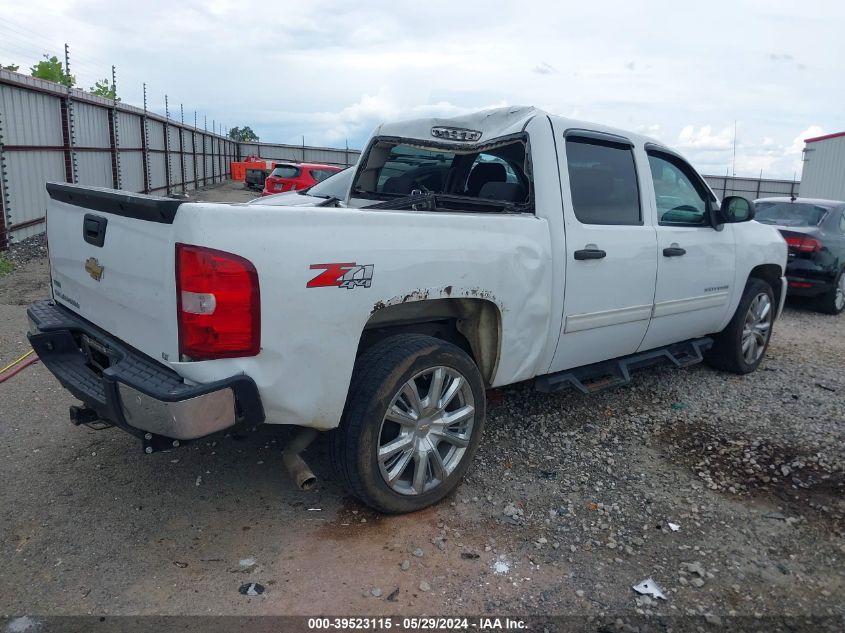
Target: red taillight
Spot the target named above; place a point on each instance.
(803, 244)
(799, 284)
(218, 304)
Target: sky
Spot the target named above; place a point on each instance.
(685, 73)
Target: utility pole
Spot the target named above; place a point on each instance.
(115, 133)
(182, 149)
(194, 152)
(213, 157)
(733, 168)
(70, 131)
(145, 144)
(168, 168)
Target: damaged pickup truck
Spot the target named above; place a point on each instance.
(470, 253)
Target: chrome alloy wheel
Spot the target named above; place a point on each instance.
(758, 326)
(839, 297)
(426, 430)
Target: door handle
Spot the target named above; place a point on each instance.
(94, 229)
(674, 251)
(590, 253)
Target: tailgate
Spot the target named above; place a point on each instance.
(112, 262)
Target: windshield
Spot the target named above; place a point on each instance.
(335, 186)
(789, 213)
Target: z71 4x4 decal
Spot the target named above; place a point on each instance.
(339, 275)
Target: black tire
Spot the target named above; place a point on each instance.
(827, 302)
(726, 353)
(379, 374)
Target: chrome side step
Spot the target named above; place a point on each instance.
(613, 373)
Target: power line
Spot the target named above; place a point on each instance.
(27, 42)
(23, 45)
(25, 57)
(20, 50)
(38, 46)
(29, 37)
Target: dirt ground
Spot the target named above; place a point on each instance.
(572, 501)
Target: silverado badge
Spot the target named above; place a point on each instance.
(93, 268)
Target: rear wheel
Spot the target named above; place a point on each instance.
(833, 301)
(740, 347)
(412, 423)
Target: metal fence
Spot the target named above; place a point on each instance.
(752, 188)
(51, 133)
(302, 153)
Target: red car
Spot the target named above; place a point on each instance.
(296, 176)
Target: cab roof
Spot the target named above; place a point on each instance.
(495, 123)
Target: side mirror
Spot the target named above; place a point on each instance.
(736, 209)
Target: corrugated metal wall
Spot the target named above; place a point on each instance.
(47, 134)
(302, 154)
(824, 168)
(752, 188)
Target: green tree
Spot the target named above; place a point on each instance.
(243, 135)
(51, 69)
(11, 67)
(103, 89)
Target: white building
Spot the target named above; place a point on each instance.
(824, 167)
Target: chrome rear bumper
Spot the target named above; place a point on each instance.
(132, 391)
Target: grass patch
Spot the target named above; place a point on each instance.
(5, 265)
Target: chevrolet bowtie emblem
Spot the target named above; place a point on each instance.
(93, 268)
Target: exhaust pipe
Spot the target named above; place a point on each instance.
(295, 465)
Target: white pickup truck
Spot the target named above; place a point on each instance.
(470, 253)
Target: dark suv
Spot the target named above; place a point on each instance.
(814, 231)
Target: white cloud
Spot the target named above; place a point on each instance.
(544, 69)
(798, 142)
(704, 139)
(358, 119)
(654, 130)
(332, 70)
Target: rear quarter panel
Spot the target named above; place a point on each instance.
(310, 335)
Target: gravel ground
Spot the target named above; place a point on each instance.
(727, 491)
(26, 250)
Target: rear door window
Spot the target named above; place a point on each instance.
(603, 181)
